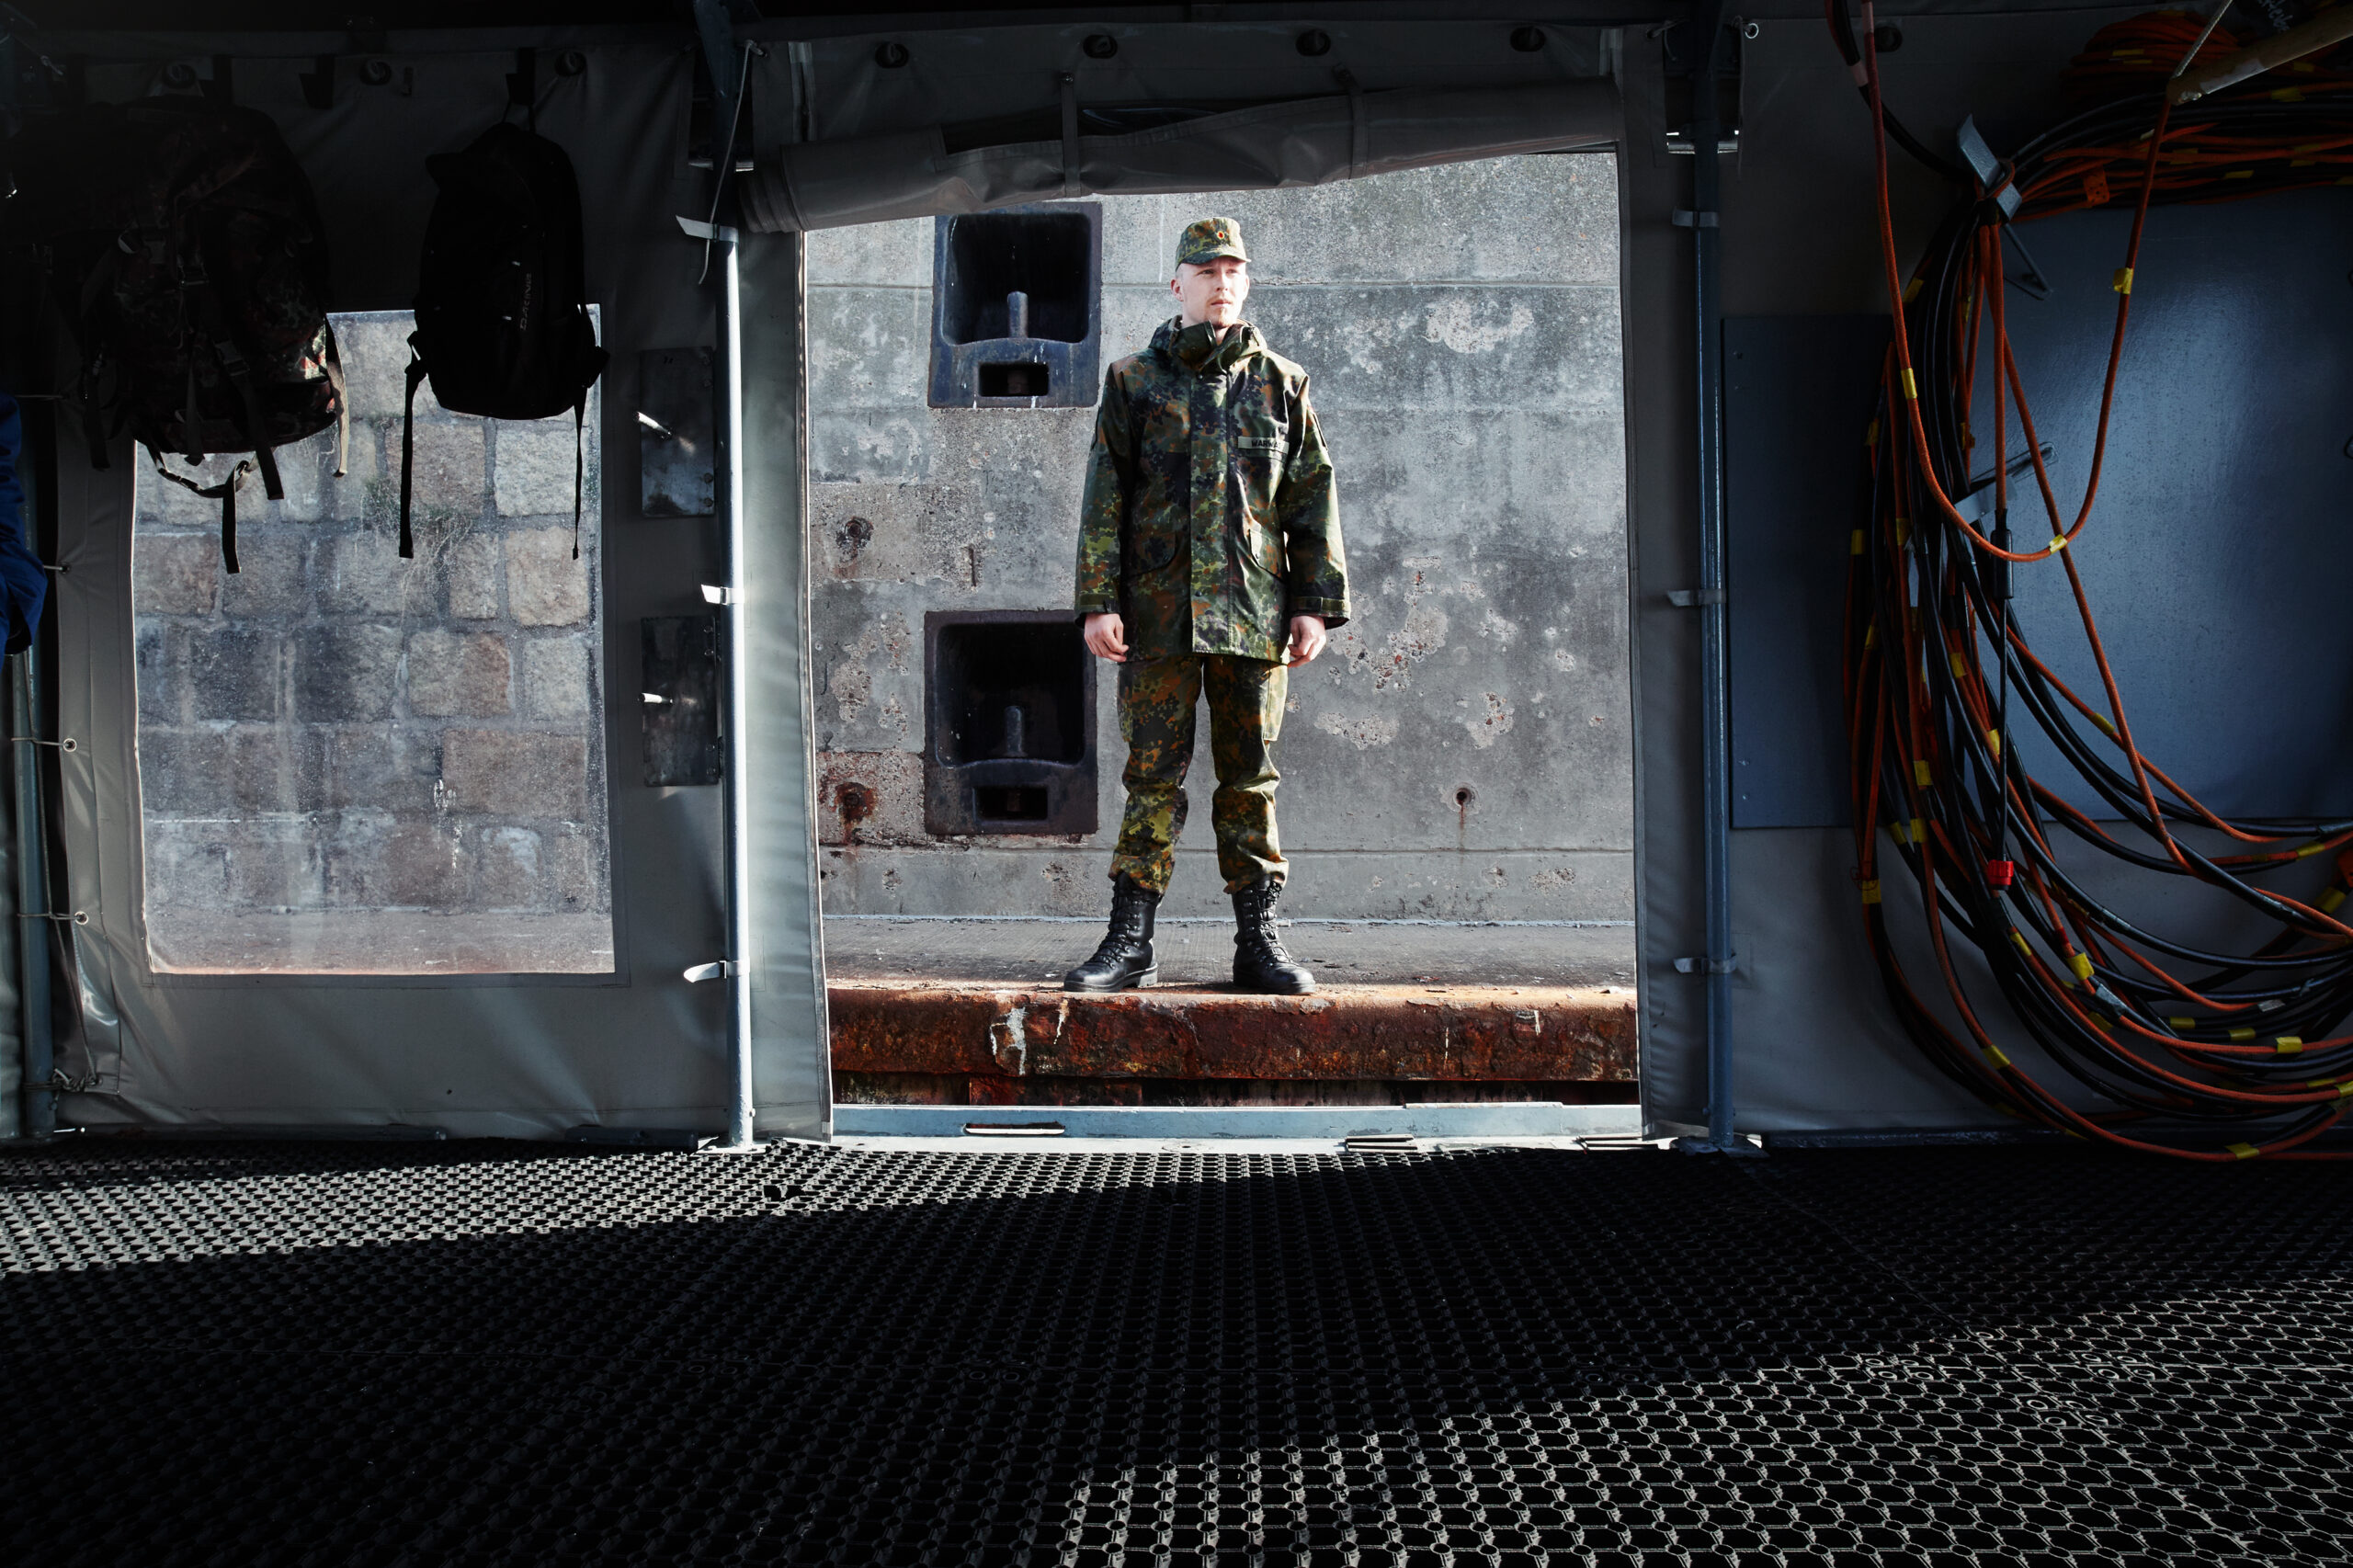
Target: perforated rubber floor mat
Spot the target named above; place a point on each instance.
(459, 1355)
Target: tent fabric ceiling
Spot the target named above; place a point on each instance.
(963, 122)
(826, 184)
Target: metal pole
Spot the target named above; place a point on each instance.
(32, 898)
(739, 677)
(1715, 729)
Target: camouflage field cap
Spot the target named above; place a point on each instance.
(1208, 239)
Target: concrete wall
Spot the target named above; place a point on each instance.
(334, 742)
(1463, 749)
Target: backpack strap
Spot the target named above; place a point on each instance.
(255, 428)
(579, 464)
(408, 444)
(225, 493)
(334, 369)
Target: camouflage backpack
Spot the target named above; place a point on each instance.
(177, 245)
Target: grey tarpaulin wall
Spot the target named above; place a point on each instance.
(519, 1055)
(840, 139)
(1816, 1046)
(536, 1055)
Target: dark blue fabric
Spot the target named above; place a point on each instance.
(22, 581)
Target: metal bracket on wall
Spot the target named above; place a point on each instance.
(1693, 598)
(677, 433)
(1679, 144)
(1705, 965)
(723, 970)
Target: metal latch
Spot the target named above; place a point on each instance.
(1705, 965)
(1692, 598)
(723, 970)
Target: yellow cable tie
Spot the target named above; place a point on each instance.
(2325, 1083)
(2302, 162)
(1870, 636)
(2240, 174)
(1958, 667)
(1871, 891)
(1871, 434)
(2242, 1034)
(2287, 95)
(1902, 532)
(2306, 851)
(1912, 292)
(2182, 1021)
(2123, 281)
(2329, 901)
(1919, 831)
(1911, 384)
(2343, 1090)
(2019, 938)
(2244, 1151)
(2345, 179)
(2058, 543)
(1855, 542)
(2102, 720)
(2288, 1044)
(1921, 775)
(1993, 1055)
(2081, 963)
(1994, 741)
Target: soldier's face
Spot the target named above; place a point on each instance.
(1212, 291)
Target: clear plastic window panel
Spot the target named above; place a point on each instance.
(352, 764)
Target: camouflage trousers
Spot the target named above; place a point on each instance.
(1156, 703)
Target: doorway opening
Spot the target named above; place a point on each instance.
(1457, 798)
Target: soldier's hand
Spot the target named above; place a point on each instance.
(1307, 638)
(1107, 638)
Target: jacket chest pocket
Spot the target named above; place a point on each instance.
(1258, 447)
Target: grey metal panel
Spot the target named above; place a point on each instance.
(2218, 552)
(2217, 543)
(679, 716)
(678, 443)
(1797, 393)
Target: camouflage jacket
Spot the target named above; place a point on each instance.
(1209, 453)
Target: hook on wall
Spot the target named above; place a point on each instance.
(522, 87)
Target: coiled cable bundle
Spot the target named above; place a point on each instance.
(2186, 1049)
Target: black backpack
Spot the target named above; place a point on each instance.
(502, 309)
(176, 243)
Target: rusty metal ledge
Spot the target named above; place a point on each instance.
(1357, 1033)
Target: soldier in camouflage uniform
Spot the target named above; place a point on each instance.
(1209, 559)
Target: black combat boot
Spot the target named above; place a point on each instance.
(1260, 965)
(1124, 960)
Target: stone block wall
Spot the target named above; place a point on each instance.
(349, 761)
(1463, 751)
